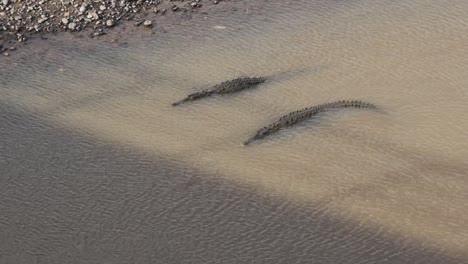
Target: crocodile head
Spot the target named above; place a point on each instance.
(260, 134)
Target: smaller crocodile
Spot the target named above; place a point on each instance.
(298, 116)
(226, 87)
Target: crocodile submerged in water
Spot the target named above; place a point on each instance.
(303, 114)
(226, 87)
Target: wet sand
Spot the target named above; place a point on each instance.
(137, 180)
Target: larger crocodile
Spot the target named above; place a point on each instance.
(226, 87)
(298, 116)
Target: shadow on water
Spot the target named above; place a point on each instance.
(67, 198)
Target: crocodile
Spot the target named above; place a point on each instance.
(225, 87)
(298, 116)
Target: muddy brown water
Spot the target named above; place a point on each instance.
(98, 167)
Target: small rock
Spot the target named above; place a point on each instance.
(20, 38)
(93, 15)
(65, 21)
(98, 33)
(6, 54)
(72, 26)
(42, 20)
(148, 23)
(5, 3)
(102, 7)
(110, 23)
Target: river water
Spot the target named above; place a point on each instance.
(98, 167)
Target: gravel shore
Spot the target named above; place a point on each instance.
(22, 20)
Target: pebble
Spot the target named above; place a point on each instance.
(65, 21)
(42, 20)
(72, 26)
(110, 23)
(5, 2)
(93, 15)
(148, 23)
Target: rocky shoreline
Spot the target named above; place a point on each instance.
(21, 20)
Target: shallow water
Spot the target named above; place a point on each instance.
(401, 171)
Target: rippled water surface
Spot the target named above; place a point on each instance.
(100, 168)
